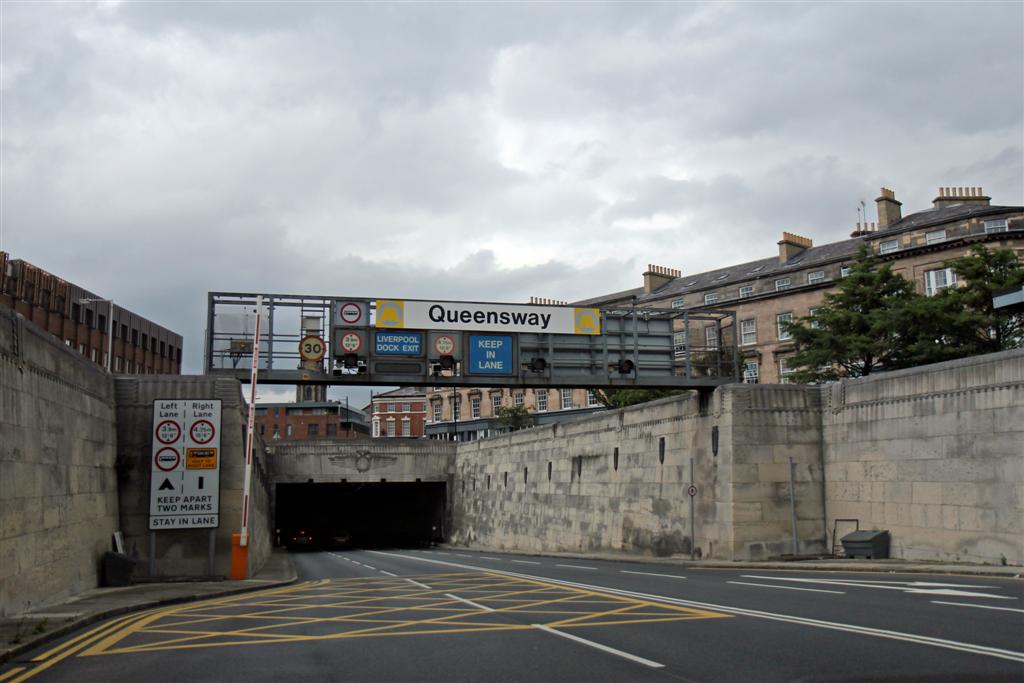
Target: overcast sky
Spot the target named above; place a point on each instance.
(152, 152)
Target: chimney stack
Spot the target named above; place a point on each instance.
(866, 230)
(790, 245)
(888, 208)
(950, 196)
(542, 301)
(658, 276)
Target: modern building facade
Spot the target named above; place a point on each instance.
(81, 319)
(310, 420)
(400, 413)
(767, 292)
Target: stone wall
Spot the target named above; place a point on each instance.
(618, 482)
(360, 460)
(935, 455)
(58, 487)
(185, 552)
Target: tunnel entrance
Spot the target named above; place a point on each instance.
(361, 515)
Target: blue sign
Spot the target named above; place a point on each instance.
(398, 344)
(490, 354)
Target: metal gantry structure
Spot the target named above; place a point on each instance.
(634, 347)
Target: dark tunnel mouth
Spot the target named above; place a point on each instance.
(360, 515)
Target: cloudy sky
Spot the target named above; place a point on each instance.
(156, 151)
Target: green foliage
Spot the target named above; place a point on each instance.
(620, 398)
(876, 320)
(514, 417)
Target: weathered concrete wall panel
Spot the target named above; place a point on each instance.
(185, 552)
(58, 487)
(360, 460)
(933, 454)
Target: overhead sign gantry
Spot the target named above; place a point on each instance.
(409, 342)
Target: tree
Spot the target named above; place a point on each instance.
(514, 417)
(870, 322)
(620, 398)
(980, 328)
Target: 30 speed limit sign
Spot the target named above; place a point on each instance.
(311, 348)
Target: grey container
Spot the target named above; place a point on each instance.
(872, 545)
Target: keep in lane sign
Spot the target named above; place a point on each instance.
(185, 480)
(490, 354)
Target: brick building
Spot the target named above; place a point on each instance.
(310, 420)
(399, 413)
(791, 285)
(81, 319)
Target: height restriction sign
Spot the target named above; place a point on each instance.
(185, 472)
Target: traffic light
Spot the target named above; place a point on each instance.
(538, 365)
(626, 366)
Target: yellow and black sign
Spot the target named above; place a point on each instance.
(201, 458)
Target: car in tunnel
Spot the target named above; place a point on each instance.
(298, 539)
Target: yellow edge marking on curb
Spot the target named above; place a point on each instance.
(12, 672)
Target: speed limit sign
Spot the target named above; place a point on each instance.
(311, 348)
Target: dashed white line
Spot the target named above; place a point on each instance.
(388, 573)
(599, 646)
(469, 602)
(354, 562)
(369, 567)
(967, 604)
(463, 555)
(668, 576)
(575, 566)
(496, 559)
(788, 588)
(524, 562)
(417, 583)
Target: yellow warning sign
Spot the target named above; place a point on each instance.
(390, 313)
(587, 320)
(200, 458)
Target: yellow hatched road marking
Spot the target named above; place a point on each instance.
(12, 672)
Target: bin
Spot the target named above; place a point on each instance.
(869, 544)
(117, 569)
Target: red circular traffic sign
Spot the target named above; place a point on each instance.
(168, 431)
(351, 342)
(350, 313)
(202, 431)
(167, 459)
(444, 344)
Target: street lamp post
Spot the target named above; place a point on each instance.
(110, 329)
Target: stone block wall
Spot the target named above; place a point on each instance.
(360, 460)
(58, 487)
(185, 552)
(933, 454)
(563, 488)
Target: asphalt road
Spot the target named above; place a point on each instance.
(420, 615)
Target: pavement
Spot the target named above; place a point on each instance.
(23, 632)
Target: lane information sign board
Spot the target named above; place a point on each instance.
(490, 354)
(398, 343)
(184, 488)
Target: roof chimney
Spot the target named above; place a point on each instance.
(866, 229)
(888, 208)
(658, 276)
(950, 196)
(547, 302)
(790, 245)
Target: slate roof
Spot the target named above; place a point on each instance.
(947, 214)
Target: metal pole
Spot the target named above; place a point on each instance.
(455, 414)
(213, 548)
(693, 526)
(110, 337)
(792, 503)
(152, 553)
(244, 535)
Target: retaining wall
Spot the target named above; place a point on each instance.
(58, 487)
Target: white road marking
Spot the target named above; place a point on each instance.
(463, 555)
(359, 563)
(969, 604)
(469, 602)
(369, 567)
(788, 588)
(599, 646)
(496, 559)
(919, 587)
(575, 566)
(984, 650)
(388, 573)
(417, 583)
(670, 576)
(524, 562)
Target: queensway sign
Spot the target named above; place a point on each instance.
(397, 314)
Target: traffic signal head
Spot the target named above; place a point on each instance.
(538, 365)
(351, 360)
(626, 366)
(447, 363)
